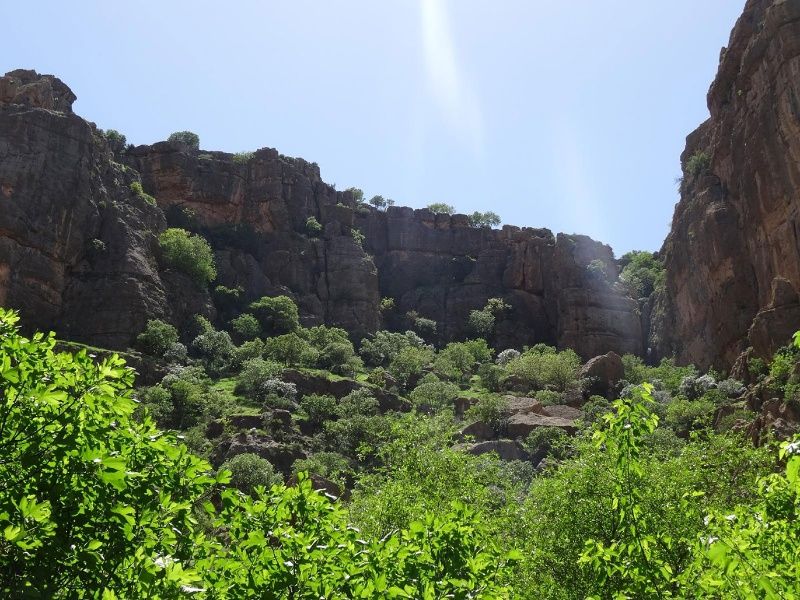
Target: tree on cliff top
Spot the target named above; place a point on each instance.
(189, 138)
(440, 208)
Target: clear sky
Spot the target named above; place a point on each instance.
(567, 115)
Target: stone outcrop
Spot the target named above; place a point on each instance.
(79, 252)
(737, 226)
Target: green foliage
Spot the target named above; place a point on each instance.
(157, 337)
(255, 372)
(313, 227)
(423, 326)
(434, 394)
(358, 237)
(216, 349)
(241, 354)
(547, 441)
(188, 253)
(754, 552)
(228, 299)
(277, 314)
(384, 346)
(484, 219)
(642, 273)
(539, 368)
(242, 158)
(378, 202)
(358, 194)
(597, 270)
(187, 138)
(409, 362)
(115, 139)
(89, 497)
(330, 465)
(246, 327)
(317, 409)
(289, 349)
(698, 163)
(548, 397)
(458, 360)
(136, 188)
(492, 410)
(684, 415)
(440, 208)
(249, 471)
(666, 375)
(387, 304)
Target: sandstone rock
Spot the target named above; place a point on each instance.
(36, 91)
(603, 373)
(524, 406)
(774, 325)
(505, 449)
(736, 226)
(519, 426)
(479, 430)
(562, 411)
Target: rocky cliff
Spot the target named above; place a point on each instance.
(79, 251)
(733, 255)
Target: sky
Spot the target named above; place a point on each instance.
(565, 115)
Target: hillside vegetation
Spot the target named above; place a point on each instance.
(427, 488)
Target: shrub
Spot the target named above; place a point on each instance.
(177, 353)
(642, 273)
(241, 354)
(698, 163)
(358, 237)
(440, 208)
(242, 158)
(693, 387)
(492, 376)
(410, 362)
(216, 349)
(378, 202)
(597, 270)
(358, 194)
(115, 139)
(157, 337)
(434, 394)
(486, 219)
(340, 358)
(506, 356)
(457, 360)
(313, 227)
(192, 140)
(249, 471)
(539, 369)
(425, 327)
(277, 314)
(330, 465)
(547, 441)
(318, 409)
(481, 322)
(383, 346)
(136, 188)
(246, 327)
(276, 393)
(492, 410)
(684, 415)
(387, 304)
(255, 372)
(548, 397)
(228, 299)
(289, 349)
(188, 253)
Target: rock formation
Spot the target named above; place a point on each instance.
(79, 251)
(737, 226)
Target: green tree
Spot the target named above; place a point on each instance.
(157, 337)
(277, 314)
(484, 219)
(246, 327)
(642, 273)
(188, 253)
(440, 208)
(188, 138)
(249, 471)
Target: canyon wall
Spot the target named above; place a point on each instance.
(733, 255)
(79, 251)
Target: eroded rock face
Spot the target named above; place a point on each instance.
(79, 252)
(737, 225)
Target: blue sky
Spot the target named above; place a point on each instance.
(567, 115)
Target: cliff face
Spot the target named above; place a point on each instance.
(733, 255)
(79, 252)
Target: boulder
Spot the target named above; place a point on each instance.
(505, 449)
(479, 430)
(602, 374)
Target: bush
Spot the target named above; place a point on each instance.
(330, 465)
(698, 163)
(548, 397)
(185, 137)
(487, 219)
(481, 322)
(277, 315)
(318, 409)
(693, 387)
(383, 346)
(242, 158)
(440, 208)
(547, 441)
(642, 273)
(136, 188)
(246, 327)
(358, 237)
(597, 270)
(491, 376)
(387, 305)
(434, 394)
(409, 363)
(115, 139)
(506, 356)
(228, 299)
(157, 337)
(176, 354)
(340, 358)
(425, 327)
(216, 349)
(188, 253)
(241, 354)
(290, 349)
(255, 372)
(492, 410)
(684, 415)
(249, 471)
(539, 369)
(313, 227)
(276, 393)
